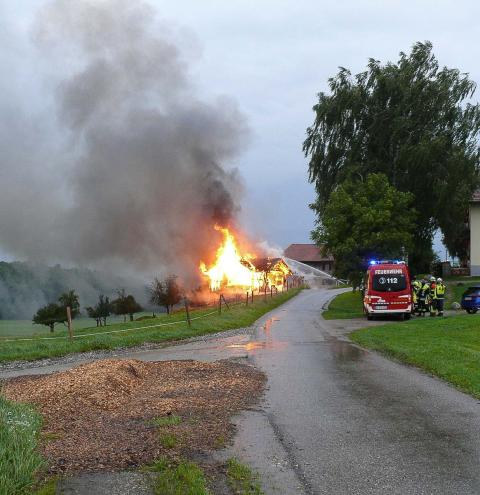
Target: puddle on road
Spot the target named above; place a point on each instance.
(258, 345)
(268, 325)
(344, 351)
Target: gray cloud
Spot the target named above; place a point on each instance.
(132, 167)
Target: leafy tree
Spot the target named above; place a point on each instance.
(361, 221)
(165, 293)
(101, 311)
(49, 315)
(125, 305)
(411, 121)
(70, 298)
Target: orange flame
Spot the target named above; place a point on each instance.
(231, 269)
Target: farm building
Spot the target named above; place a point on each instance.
(475, 234)
(310, 255)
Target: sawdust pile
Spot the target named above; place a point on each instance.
(99, 416)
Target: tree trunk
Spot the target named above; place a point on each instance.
(52, 325)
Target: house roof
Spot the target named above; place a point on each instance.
(476, 196)
(266, 264)
(305, 252)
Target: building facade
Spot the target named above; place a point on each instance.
(475, 234)
(310, 255)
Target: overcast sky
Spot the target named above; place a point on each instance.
(273, 57)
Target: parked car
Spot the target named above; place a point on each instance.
(471, 299)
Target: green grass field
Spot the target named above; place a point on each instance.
(446, 347)
(345, 305)
(25, 328)
(135, 333)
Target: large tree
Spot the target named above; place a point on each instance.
(125, 305)
(365, 220)
(412, 121)
(101, 311)
(165, 293)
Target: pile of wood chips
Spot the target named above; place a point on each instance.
(99, 416)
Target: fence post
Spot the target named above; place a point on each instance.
(69, 321)
(187, 311)
(271, 291)
(247, 298)
(220, 304)
(225, 301)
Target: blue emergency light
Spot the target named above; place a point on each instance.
(372, 262)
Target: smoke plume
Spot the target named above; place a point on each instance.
(124, 163)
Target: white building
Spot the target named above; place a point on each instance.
(475, 234)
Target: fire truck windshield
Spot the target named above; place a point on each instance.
(389, 282)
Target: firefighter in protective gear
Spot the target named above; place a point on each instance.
(423, 297)
(439, 296)
(416, 287)
(432, 302)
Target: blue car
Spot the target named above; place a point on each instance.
(471, 299)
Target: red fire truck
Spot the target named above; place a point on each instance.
(387, 290)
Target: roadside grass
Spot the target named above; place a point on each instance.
(20, 459)
(238, 316)
(168, 440)
(48, 488)
(182, 478)
(241, 479)
(446, 347)
(171, 420)
(344, 306)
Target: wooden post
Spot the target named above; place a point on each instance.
(187, 311)
(247, 298)
(69, 322)
(225, 301)
(220, 304)
(271, 291)
(252, 296)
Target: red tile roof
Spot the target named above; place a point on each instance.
(476, 196)
(305, 252)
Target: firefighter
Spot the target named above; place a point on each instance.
(423, 297)
(416, 286)
(432, 302)
(440, 290)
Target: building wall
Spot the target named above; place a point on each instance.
(475, 239)
(325, 266)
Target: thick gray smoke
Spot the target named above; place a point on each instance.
(126, 164)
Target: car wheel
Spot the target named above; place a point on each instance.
(474, 310)
(469, 311)
(408, 316)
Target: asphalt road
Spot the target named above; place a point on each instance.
(337, 419)
(352, 422)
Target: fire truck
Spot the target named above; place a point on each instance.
(387, 290)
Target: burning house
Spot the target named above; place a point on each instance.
(232, 269)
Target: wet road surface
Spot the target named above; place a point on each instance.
(337, 419)
(352, 422)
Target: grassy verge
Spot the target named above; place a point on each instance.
(448, 348)
(238, 316)
(19, 456)
(345, 305)
(241, 479)
(178, 478)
